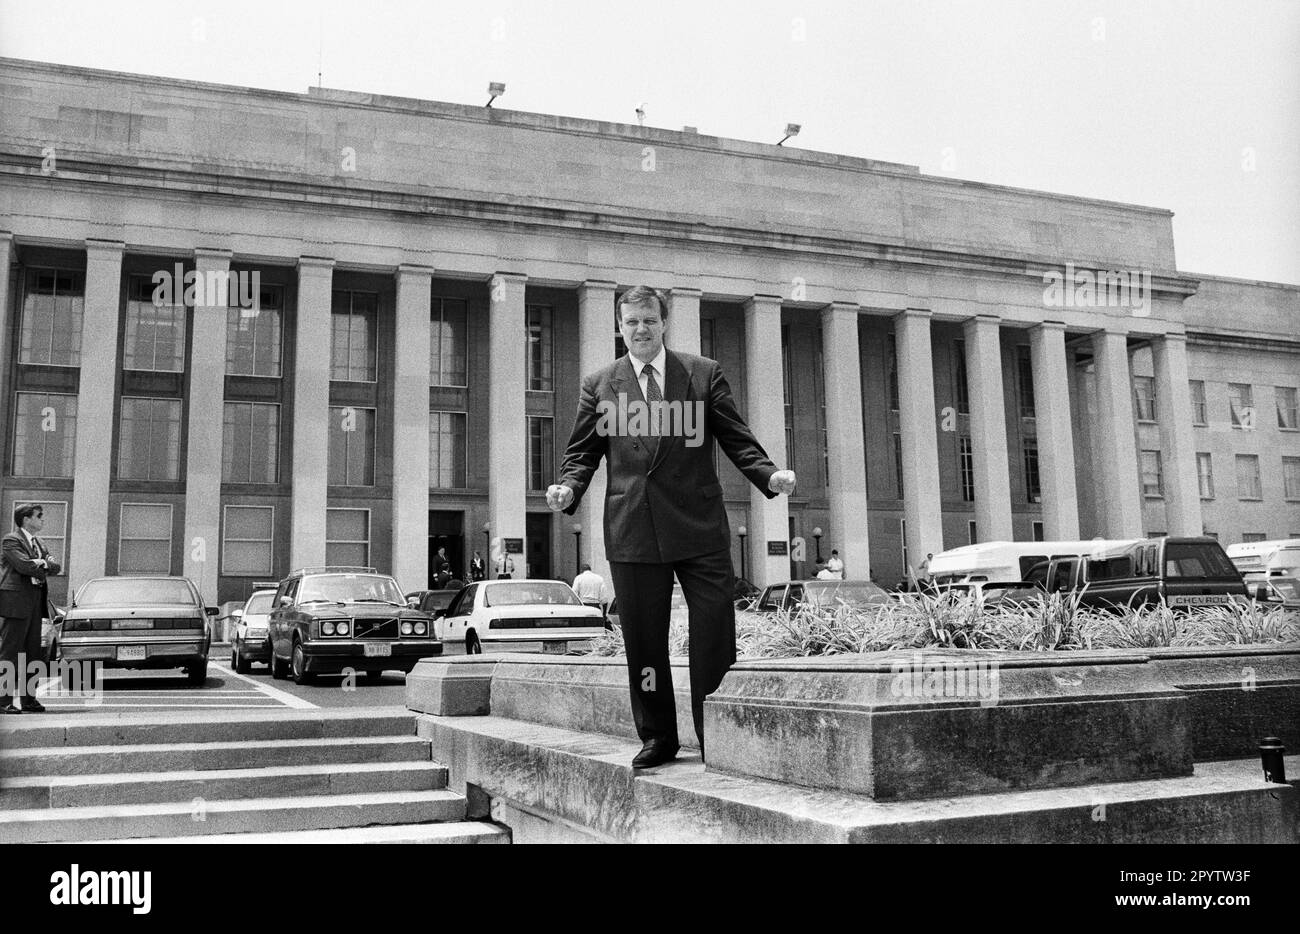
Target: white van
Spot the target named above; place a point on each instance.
(1277, 558)
(1005, 561)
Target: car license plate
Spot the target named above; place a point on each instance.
(555, 647)
(131, 653)
(133, 624)
(1211, 599)
(378, 649)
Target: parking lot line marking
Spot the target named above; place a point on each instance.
(283, 697)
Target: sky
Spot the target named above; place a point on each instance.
(1189, 105)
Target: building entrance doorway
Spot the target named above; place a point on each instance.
(538, 530)
(447, 543)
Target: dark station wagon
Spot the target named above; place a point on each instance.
(329, 619)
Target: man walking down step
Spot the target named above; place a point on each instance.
(664, 514)
(24, 597)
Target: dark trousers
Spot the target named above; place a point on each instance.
(20, 636)
(644, 593)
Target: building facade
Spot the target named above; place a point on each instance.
(415, 289)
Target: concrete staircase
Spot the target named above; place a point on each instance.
(261, 776)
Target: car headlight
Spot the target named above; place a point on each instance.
(327, 629)
(420, 629)
(407, 628)
(344, 628)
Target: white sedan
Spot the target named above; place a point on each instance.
(517, 616)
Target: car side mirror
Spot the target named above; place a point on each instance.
(413, 602)
(211, 610)
(437, 614)
(286, 601)
(237, 613)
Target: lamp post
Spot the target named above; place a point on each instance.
(577, 547)
(742, 532)
(817, 536)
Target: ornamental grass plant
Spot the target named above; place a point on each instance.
(1056, 622)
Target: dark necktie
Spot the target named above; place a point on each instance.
(652, 394)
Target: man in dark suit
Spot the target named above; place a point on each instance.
(664, 513)
(23, 598)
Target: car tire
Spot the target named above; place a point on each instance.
(239, 663)
(279, 670)
(298, 666)
(197, 674)
(472, 644)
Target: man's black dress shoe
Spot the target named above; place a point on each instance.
(655, 752)
(33, 706)
(10, 708)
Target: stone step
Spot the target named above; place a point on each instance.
(100, 729)
(260, 815)
(452, 832)
(205, 756)
(61, 791)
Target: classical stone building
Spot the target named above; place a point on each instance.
(433, 279)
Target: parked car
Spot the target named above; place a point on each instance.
(1283, 591)
(518, 616)
(139, 622)
(679, 612)
(1179, 572)
(51, 633)
(793, 596)
(432, 603)
(328, 619)
(997, 593)
(251, 641)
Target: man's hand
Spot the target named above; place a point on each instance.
(558, 497)
(782, 482)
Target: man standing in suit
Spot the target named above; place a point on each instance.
(23, 598)
(664, 514)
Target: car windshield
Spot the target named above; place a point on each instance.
(350, 588)
(136, 591)
(1197, 559)
(851, 592)
(259, 604)
(1288, 587)
(523, 593)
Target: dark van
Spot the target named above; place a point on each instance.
(1179, 572)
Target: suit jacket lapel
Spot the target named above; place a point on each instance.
(624, 381)
(677, 383)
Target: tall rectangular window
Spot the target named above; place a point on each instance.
(972, 533)
(1037, 530)
(1152, 480)
(155, 334)
(959, 377)
(891, 366)
(448, 343)
(708, 339)
(898, 462)
(149, 441)
(45, 434)
(447, 450)
(353, 347)
(347, 537)
(1291, 478)
(1025, 382)
(144, 544)
(787, 385)
(255, 336)
(541, 362)
(1248, 485)
(1288, 410)
(1200, 413)
(247, 541)
(250, 444)
(53, 308)
(352, 446)
(819, 399)
(966, 469)
(541, 452)
(1144, 395)
(1205, 474)
(1033, 491)
(1241, 405)
(1254, 536)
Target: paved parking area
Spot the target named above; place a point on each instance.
(167, 690)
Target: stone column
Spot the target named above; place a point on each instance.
(1116, 475)
(311, 409)
(507, 419)
(206, 416)
(922, 505)
(6, 311)
(684, 320)
(1055, 432)
(847, 481)
(88, 535)
(411, 427)
(988, 429)
(595, 349)
(1178, 444)
(769, 519)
